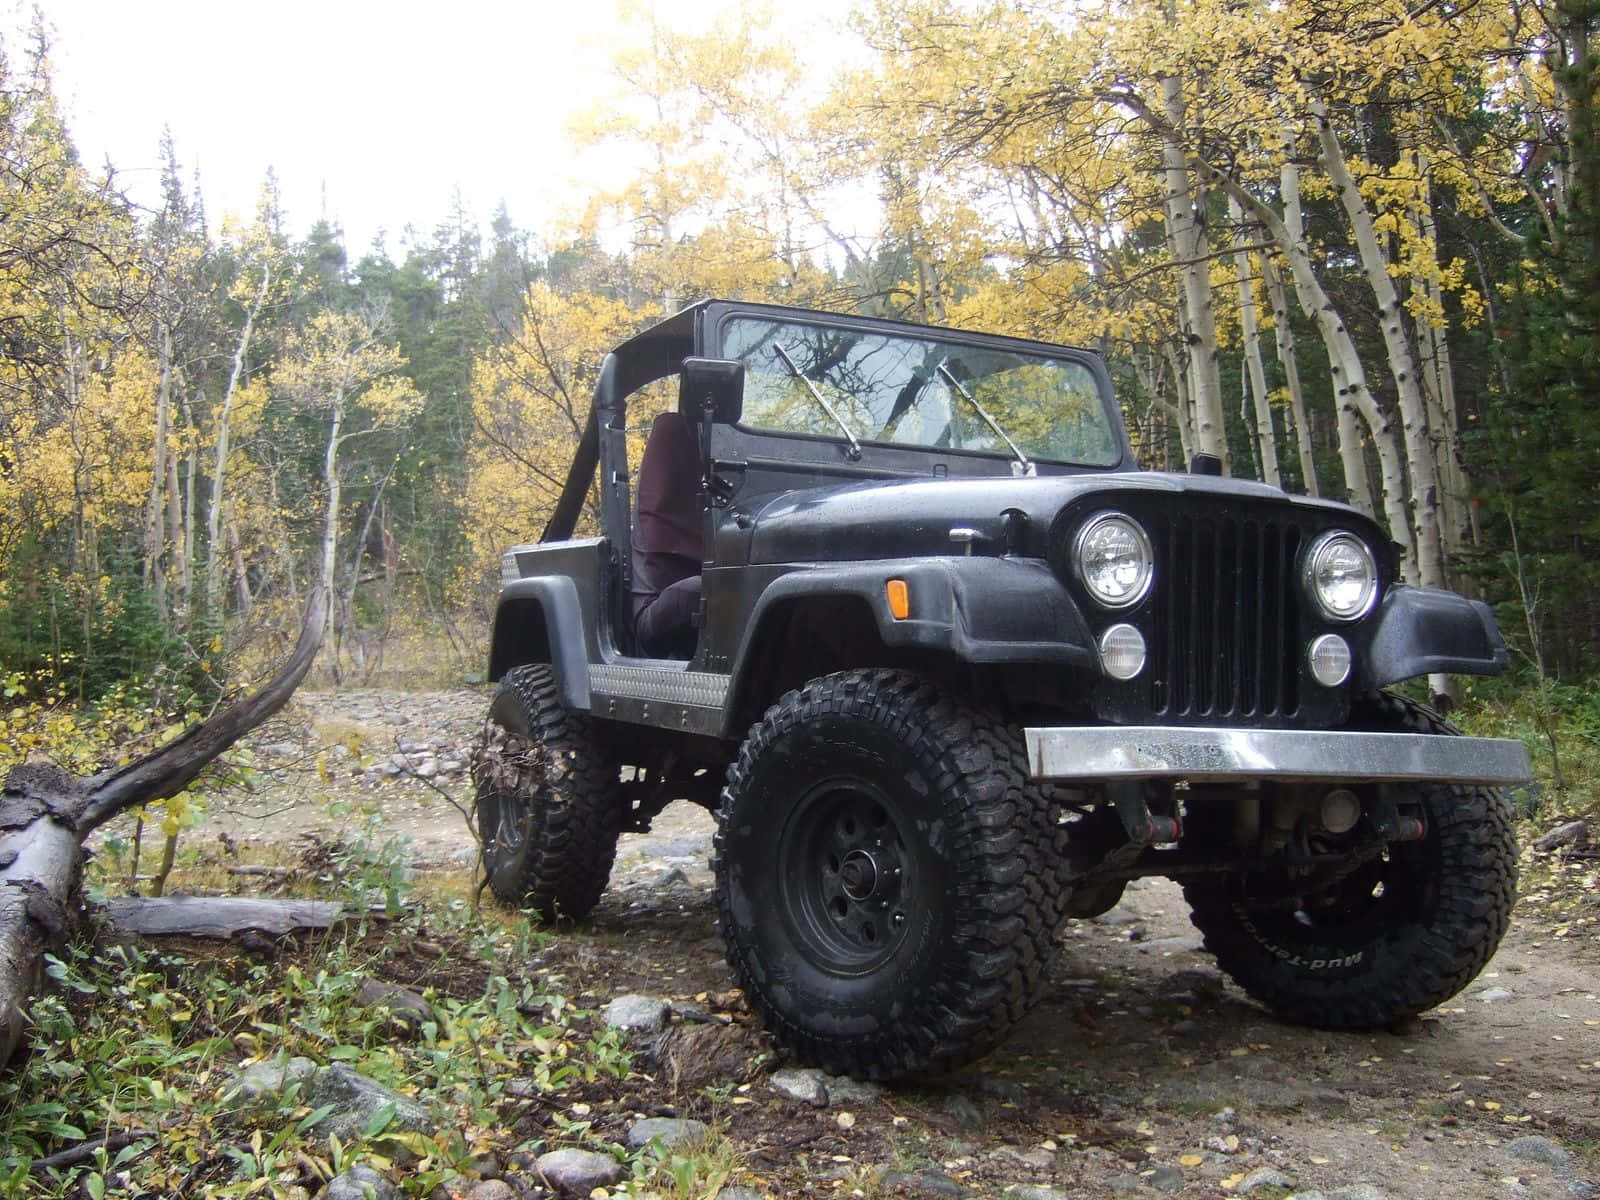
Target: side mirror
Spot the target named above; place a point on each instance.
(711, 387)
(1205, 464)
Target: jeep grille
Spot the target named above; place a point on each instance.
(1226, 630)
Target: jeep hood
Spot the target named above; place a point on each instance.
(912, 518)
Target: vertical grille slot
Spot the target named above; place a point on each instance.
(1226, 630)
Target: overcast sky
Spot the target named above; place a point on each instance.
(383, 108)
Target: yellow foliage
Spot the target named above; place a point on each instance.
(530, 399)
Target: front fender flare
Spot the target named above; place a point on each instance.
(1420, 631)
(977, 609)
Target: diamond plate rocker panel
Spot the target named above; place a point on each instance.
(698, 689)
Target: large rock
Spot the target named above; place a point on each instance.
(842, 1089)
(638, 1014)
(357, 1102)
(408, 1008)
(262, 1082)
(689, 1056)
(668, 1131)
(926, 1182)
(1263, 1177)
(360, 1183)
(805, 1084)
(578, 1172)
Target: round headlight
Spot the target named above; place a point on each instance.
(1114, 561)
(1341, 576)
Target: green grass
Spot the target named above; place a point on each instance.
(131, 1039)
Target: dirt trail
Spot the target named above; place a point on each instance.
(1142, 1073)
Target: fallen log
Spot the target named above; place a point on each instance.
(221, 917)
(1573, 833)
(42, 861)
(46, 813)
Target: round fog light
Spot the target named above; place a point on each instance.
(1330, 660)
(1122, 651)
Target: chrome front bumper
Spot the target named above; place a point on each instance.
(1212, 755)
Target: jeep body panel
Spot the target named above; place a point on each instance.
(539, 616)
(799, 525)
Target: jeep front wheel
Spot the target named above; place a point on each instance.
(549, 800)
(879, 873)
(1403, 932)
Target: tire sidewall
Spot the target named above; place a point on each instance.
(760, 843)
(958, 976)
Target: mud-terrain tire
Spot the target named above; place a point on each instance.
(1400, 935)
(549, 800)
(882, 875)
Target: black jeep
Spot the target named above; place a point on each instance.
(900, 607)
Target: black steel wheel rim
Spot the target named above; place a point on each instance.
(502, 817)
(845, 884)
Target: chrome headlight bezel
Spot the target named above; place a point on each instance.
(1340, 541)
(1082, 549)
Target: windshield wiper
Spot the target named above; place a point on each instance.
(1027, 468)
(855, 446)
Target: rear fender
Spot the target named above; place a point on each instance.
(539, 620)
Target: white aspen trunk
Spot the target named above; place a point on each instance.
(154, 534)
(1283, 339)
(1162, 410)
(180, 519)
(1351, 457)
(219, 467)
(175, 545)
(1187, 237)
(1439, 389)
(330, 517)
(1256, 374)
(1402, 362)
(1349, 377)
(242, 597)
(1183, 409)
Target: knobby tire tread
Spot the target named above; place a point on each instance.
(1010, 906)
(573, 826)
(1476, 888)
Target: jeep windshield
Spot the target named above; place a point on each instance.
(908, 390)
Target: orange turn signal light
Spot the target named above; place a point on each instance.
(899, 597)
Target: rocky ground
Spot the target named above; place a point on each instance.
(1142, 1073)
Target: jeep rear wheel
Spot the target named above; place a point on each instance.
(549, 802)
(880, 875)
(1402, 933)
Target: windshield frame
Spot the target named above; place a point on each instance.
(1118, 456)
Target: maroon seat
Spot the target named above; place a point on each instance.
(667, 540)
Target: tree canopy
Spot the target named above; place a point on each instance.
(1347, 248)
